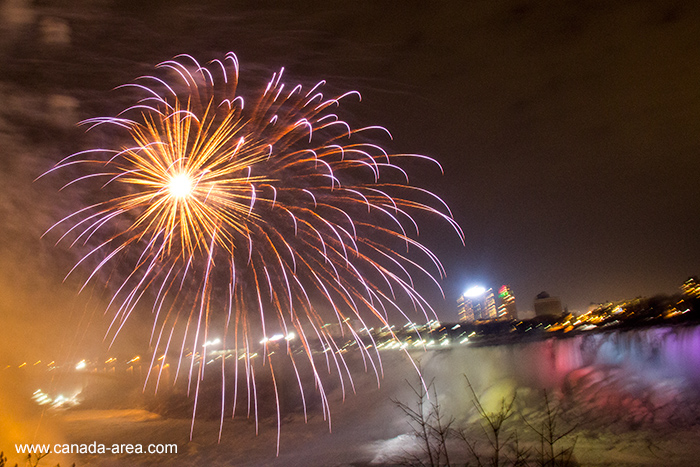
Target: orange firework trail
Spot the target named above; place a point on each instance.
(233, 217)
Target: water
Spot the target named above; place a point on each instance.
(618, 370)
(630, 396)
(633, 393)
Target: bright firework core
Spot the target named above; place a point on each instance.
(181, 185)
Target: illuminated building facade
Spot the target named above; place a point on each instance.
(506, 308)
(477, 304)
(465, 309)
(489, 311)
(545, 305)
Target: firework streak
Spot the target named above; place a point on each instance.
(249, 220)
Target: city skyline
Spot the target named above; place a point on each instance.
(527, 309)
(478, 303)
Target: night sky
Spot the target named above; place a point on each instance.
(569, 131)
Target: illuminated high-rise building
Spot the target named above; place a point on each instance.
(465, 309)
(489, 311)
(477, 304)
(506, 308)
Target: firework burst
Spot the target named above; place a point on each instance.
(250, 220)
